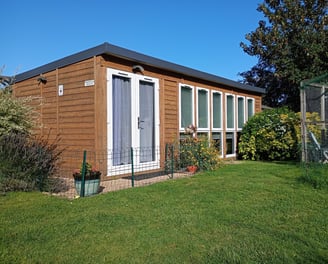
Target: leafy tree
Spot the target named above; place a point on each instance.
(291, 45)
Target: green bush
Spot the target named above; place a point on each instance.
(271, 135)
(26, 162)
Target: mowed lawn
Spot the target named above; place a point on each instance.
(250, 212)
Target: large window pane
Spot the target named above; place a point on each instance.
(250, 108)
(202, 109)
(217, 110)
(241, 112)
(230, 111)
(147, 121)
(122, 138)
(186, 106)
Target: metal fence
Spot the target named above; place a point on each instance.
(314, 126)
(119, 170)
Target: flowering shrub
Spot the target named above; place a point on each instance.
(16, 116)
(270, 135)
(197, 151)
(91, 173)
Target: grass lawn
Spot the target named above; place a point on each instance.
(251, 212)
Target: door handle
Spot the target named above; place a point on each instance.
(139, 122)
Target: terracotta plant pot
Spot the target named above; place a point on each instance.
(192, 168)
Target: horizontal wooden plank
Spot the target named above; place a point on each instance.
(171, 104)
(81, 119)
(79, 142)
(78, 91)
(77, 133)
(49, 119)
(75, 72)
(76, 101)
(76, 79)
(77, 126)
(65, 113)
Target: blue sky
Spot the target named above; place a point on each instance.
(204, 35)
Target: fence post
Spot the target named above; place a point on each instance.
(132, 168)
(82, 191)
(172, 161)
(41, 173)
(166, 169)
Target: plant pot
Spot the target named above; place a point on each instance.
(91, 186)
(192, 168)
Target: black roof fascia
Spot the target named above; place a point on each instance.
(110, 49)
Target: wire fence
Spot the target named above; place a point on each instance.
(127, 168)
(314, 112)
(315, 169)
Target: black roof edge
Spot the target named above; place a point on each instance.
(110, 49)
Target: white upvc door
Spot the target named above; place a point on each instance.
(132, 121)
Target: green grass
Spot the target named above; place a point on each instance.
(243, 213)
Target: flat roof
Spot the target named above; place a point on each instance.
(136, 57)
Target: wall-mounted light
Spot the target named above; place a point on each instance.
(42, 79)
(137, 68)
(6, 81)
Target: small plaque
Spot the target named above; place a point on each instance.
(89, 82)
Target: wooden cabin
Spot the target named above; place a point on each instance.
(108, 99)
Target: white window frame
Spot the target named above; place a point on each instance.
(203, 129)
(181, 85)
(221, 138)
(234, 134)
(226, 112)
(253, 104)
(216, 129)
(237, 112)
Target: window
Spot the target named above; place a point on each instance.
(230, 111)
(217, 141)
(216, 110)
(241, 112)
(202, 109)
(250, 107)
(186, 106)
(230, 144)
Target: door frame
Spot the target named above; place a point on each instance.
(135, 80)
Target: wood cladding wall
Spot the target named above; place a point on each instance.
(70, 116)
(79, 116)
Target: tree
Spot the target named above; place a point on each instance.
(291, 45)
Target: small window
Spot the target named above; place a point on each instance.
(217, 110)
(217, 141)
(186, 106)
(203, 135)
(230, 143)
(230, 111)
